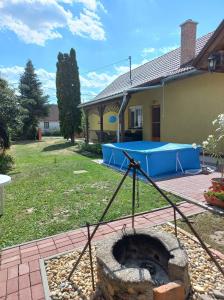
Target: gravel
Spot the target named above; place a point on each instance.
(205, 278)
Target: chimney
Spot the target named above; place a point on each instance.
(188, 41)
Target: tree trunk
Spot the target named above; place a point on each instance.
(73, 139)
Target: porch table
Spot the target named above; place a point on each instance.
(4, 179)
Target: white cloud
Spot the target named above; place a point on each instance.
(164, 50)
(36, 21)
(88, 24)
(147, 51)
(155, 52)
(12, 75)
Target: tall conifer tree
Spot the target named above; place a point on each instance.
(68, 94)
(33, 100)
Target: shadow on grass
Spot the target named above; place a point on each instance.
(55, 147)
(25, 142)
(89, 154)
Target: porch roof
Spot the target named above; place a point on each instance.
(149, 73)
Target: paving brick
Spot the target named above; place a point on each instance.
(24, 269)
(12, 285)
(49, 253)
(60, 236)
(13, 272)
(10, 250)
(29, 249)
(3, 289)
(35, 277)
(68, 247)
(45, 241)
(49, 248)
(44, 245)
(79, 239)
(11, 264)
(25, 294)
(63, 244)
(14, 296)
(37, 292)
(169, 291)
(30, 258)
(28, 245)
(24, 281)
(3, 275)
(29, 253)
(10, 259)
(34, 265)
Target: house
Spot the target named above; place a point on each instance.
(171, 98)
(50, 124)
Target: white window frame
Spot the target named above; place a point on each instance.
(138, 119)
(46, 123)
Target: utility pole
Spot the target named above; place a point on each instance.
(130, 69)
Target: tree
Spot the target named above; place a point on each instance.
(33, 100)
(11, 114)
(68, 94)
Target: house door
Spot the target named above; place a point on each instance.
(156, 123)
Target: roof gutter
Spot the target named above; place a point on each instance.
(126, 100)
(182, 75)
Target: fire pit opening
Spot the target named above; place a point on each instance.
(131, 265)
(143, 251)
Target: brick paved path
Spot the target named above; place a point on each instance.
(20, 276)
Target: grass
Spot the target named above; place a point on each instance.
(46, 197)
(210, 227)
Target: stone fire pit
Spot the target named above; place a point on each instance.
(131, 265)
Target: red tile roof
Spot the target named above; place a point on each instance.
(53, 114)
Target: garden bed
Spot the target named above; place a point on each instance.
(205, 278)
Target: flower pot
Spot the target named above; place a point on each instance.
(217, 184)
(212, 200)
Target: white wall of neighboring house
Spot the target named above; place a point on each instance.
(53, 126)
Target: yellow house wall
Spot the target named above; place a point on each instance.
(190, 106)
(94, 123)
(145, 99)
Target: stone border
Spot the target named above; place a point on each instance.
(215, 252)
(42, 260)
(44, 273)
(44, 280)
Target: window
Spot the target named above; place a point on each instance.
(135, 117)
(46, 125)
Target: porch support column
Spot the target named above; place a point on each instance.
(87, 125)
(121, 116)
(101, 109)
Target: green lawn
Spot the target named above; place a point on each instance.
(46, 197)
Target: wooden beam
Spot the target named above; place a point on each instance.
(101, 110)
(87, 125)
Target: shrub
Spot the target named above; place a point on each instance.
(52, 133)
(92, 148)
(6, 163)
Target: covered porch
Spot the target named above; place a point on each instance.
(120, 119)
(108, 123)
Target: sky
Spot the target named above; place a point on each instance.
(104, 34)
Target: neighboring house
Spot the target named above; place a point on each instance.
(172, 98)
(50, 124)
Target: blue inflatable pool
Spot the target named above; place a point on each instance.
(156, 158)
